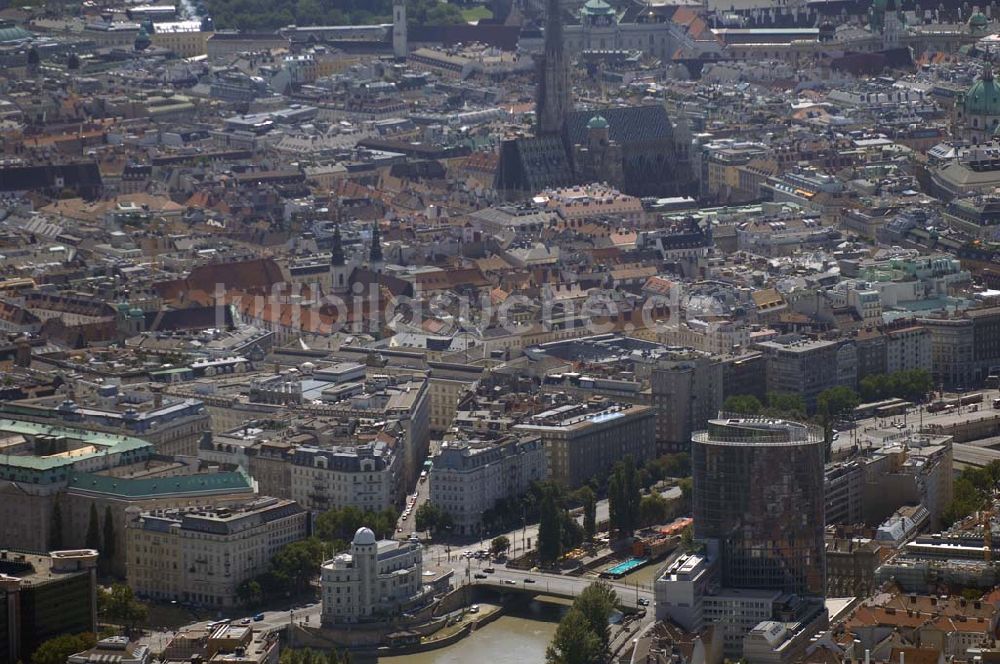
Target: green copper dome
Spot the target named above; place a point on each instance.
(597, 8)
(983, 98)
(597, 122)
(978, 20)
(10, 33)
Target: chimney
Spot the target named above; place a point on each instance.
(902, 657)
(868, 656)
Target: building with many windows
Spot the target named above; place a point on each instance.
(797, 365)
(201, 556)
(764, 550)
(585, 440)
(470, 476)
(373, 580)
(45, 595)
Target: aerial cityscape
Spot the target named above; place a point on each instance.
(516, 332)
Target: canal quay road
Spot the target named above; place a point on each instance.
(443, 556)
(558, 585)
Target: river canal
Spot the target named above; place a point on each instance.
(518, 637)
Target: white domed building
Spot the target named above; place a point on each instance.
(375, 579)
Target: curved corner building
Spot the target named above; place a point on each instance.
(758, 502)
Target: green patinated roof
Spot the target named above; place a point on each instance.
(983, 98)
(979, 19)
(203, 483)
(105, 442)
(597, 7)
(597, 122)
(13, 33)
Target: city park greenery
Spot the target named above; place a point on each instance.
(273, 14)
(295, 566)
(583, 635)
(58, 649)
(973, 491)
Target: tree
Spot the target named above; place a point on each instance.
(744, 404)
(58, 649)
(56, 526)
(653, 509)
(589, 501)
(831, 404)
(431, 517)
(108, 552)
(596, 602)
(837, 401)
(299, 562)
(118, 605)
(339, 525)
(93, 540)
(786, 404)
(624, 497)
(574, 641)
(570, 531)
(499, 545)
(250, 593)
(686, 486)
(549, 532)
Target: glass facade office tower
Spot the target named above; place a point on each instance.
(758, 503)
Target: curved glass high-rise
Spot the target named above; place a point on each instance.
(758, 502)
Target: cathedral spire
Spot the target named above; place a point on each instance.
(552, 91)
(337, 252)
(375, 256)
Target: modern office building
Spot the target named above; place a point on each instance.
(758, 503)
(373, 580)
(583, 441)
(758, 515)
(470, 476)
(687, 389)
(797, 365)
(45, 595)
(201, 556)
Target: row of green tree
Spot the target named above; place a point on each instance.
(910, 385)
(628, 511)
(273, 14)
(583, 634)
(558, 531)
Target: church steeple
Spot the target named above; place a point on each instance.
(337, 251)
(552, 89)
(375, 255)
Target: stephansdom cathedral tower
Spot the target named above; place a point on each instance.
(632, 148)
(552, 100)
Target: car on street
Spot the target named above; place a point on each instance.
(245, 622)
(480, 575)
(259, 617)
(529, 580)
(510, 582)
(489, 570)
(643, 601)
